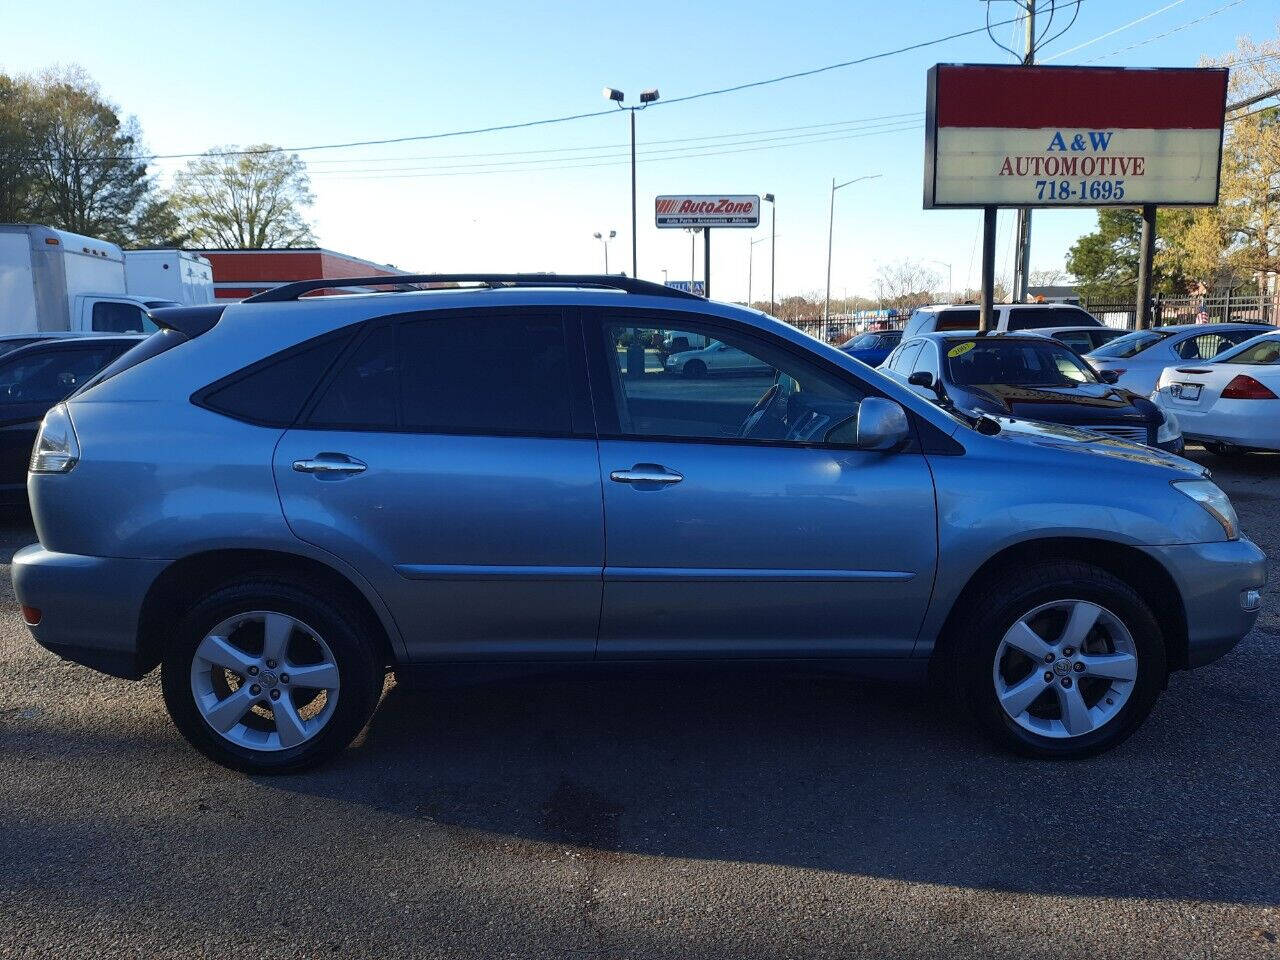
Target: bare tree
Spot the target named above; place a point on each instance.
(906, 283)
(250, 200)
(1048, 277)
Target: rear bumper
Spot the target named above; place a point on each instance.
(88, 606)
(1213, 579)
(1242, 423)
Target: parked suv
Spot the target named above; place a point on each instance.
(1005, 316)
(279, 500)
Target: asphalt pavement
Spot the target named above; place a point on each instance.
(737, 817)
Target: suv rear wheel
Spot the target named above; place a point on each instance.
(265, 675)
(1060, 660)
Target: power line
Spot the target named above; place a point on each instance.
(1161, 36)
(612, 146)
(1111, 33)
(522, 125)
(702, 152)
(607, 156)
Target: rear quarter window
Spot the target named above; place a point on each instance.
(273, 391)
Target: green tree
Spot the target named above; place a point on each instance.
(90, 176)
(21, 141)
(1105, 262)
(247, 200)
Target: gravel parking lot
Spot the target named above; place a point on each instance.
(674, 817)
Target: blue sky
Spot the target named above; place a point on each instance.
(295, 73)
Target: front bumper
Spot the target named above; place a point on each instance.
(1213, 578)
(89, 606)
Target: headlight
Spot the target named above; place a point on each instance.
(1170, 429)
(56, 448)
(1215, 501)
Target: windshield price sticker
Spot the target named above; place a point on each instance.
(959, 350)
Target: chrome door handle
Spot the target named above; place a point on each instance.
(645, 473)
(331, 464)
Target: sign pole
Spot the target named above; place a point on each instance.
(1022, 259)
(1146, 255)
(706, 262)
(988, 268)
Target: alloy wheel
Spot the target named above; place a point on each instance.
(264, 680)
(1065, 669)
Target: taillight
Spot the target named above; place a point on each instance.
(56, 448)
(1243, 387)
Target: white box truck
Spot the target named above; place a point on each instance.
(185, 278)
(52, 280)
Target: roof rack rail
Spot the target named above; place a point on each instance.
(292, 291)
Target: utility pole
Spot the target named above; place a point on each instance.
(773, 247)
(1022, 257)
(1146, 254)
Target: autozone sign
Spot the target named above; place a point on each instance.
(1072, 136)
(707, 211)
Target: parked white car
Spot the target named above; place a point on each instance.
(715, 357)
(1231, 405)
(1137, 359)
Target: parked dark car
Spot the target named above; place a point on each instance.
(872, 347)
(1031, 378)
(32, 379)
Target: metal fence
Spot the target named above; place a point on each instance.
(1222, 308)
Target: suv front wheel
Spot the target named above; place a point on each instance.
(265, 675)
(1059, 660)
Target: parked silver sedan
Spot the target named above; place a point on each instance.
(1138, 358)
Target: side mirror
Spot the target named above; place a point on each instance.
(921, 378)
(1108, 376)
(882, 424)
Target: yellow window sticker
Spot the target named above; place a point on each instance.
(960, 349)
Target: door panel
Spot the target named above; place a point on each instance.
(763, 551)
(728, 537)
(475, 506)
(481, 546)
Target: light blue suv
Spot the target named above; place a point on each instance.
(280, 500)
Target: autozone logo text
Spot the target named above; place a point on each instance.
(723, 206)
(681, 210)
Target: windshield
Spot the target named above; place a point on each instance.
(869, 341)
(1018, 363)
(1130, 344)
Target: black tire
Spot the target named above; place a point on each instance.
(355, 652)
(969, 653)
(695, 369)
(1227, 451)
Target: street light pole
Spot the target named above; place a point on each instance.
(950, 288)
(831, 220)
(773, 246)
(751, 251)
(605, 241)
(646, 97)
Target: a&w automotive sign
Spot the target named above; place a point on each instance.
(707, 211)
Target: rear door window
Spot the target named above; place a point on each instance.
(1206, 346)
(474, 373)
(485, 374)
